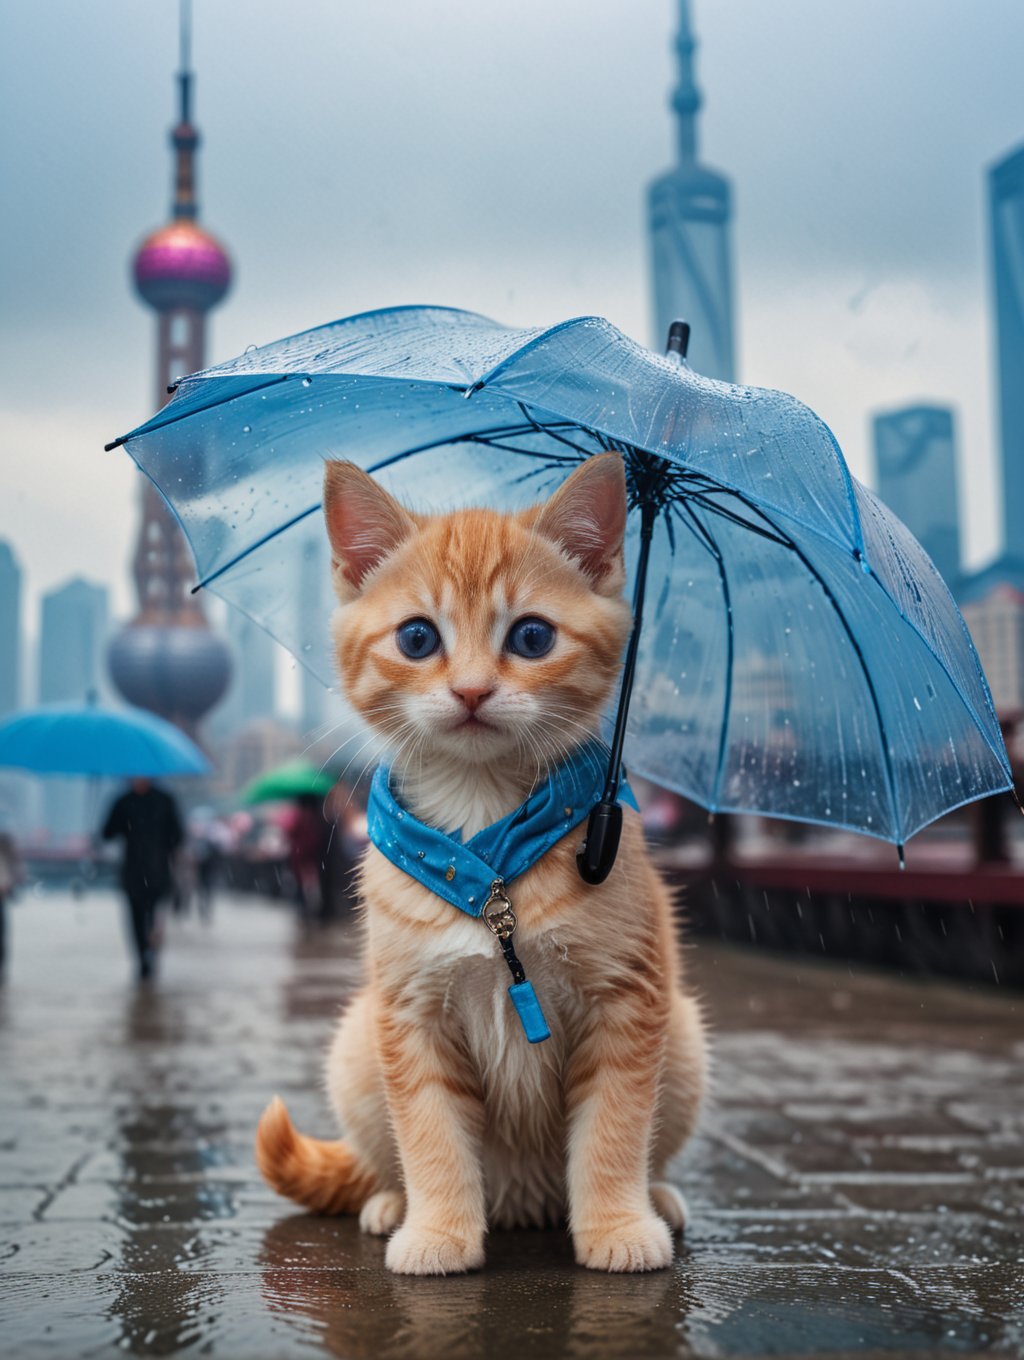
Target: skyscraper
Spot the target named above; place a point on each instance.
(10, 630)
(16, 792)
(72, 640)
(689, 211)
(1006, 206)
(167, 659)
(253, 689)
(915, 461)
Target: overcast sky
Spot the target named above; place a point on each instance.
(361, 153)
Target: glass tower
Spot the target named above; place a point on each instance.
(689, 208)
(10, 630)
(915, 461)
(1006, 200)
(72, 640)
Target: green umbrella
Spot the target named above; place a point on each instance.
(294, 779)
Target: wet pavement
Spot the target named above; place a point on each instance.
(857, 1188)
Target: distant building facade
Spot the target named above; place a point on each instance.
(1006, 205)
(915, 461)
(10, 630)
(254, 749)
(253, 690)
(315, 607)
(996, 622)
(17, 792)
(73, 631)
(689, 211)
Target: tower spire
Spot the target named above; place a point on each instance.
(184, 137)
(689, 210)
(686, 98)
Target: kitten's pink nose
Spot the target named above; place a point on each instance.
(472, 695)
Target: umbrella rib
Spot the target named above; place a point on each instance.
(848, 630)
(151, 427)
(784, 541)
(470, 437)
(550, 430)
(945, 670)
(705, 536)
(254, 547)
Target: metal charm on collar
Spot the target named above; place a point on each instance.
(501, 921)
(498, 911)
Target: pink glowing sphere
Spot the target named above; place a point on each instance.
(181, 265)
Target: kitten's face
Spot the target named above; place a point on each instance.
(477, 635)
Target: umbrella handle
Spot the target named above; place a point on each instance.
(596, 855)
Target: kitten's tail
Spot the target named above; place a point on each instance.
(328, 1178)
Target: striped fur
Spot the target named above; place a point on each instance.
(452, 1121)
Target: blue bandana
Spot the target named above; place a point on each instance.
(472, 875)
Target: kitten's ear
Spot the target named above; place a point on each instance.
(364, 524)
(586, 517)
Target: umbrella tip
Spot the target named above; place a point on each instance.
(678, 339)
(901, 851)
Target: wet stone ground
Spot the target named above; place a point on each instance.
(857, 1189)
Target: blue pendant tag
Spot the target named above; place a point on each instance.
(524, 998)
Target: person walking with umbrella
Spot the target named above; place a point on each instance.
(147, 820)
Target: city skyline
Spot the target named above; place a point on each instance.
(902, 303)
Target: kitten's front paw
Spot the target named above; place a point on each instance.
(424, 1251)
(382, 1212)
(643, 1243)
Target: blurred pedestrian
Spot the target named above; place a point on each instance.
(309, 835)
(147, 820)
(206, 860)
(10, 874)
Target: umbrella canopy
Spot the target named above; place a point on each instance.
(801, 658)
(89, 740)
(294, 779)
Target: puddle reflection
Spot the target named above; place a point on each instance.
(328, 1281)
(159, 1307)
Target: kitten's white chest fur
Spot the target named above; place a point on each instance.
(454, 795)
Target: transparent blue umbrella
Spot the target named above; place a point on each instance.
(800, 655)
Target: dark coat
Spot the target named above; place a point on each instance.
(152, 831)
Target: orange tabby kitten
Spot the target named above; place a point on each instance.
(452, 1120)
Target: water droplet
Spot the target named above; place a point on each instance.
(247, 429)
(917, 704)
(307, 382)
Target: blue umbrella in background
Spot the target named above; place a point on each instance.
(800, 657)
(88, 740)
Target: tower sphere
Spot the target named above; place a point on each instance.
(181, 265)
(177, 672)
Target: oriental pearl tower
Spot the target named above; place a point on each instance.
(167, 660)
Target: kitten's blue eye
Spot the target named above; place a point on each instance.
(530, 638)
(418, 639)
